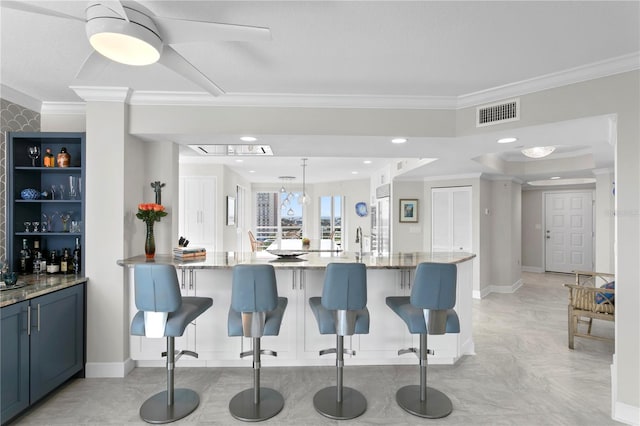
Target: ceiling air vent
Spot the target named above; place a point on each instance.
(497, 113)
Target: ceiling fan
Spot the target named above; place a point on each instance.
(129, 34)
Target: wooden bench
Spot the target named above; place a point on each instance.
(582, 303)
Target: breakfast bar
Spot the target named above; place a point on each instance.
(299, 277)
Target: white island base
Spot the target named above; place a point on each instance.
(299, 340)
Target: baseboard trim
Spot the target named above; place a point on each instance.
(536, 269)
(109, 369)
(497, 289)
(620, 411)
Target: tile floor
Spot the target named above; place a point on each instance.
(522, 374)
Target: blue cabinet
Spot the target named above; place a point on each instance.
(43, 345)
(63, 188)
(14, 357)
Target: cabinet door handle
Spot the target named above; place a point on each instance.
(302, 278)
(192, 279)
(38, 317)
(184, 277)
(293, 280)
(29, 320)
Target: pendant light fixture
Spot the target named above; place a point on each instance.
(304, 198)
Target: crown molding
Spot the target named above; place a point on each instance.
(286, 100)
(453, 177)
(20, 98)
(579, 74)
(102, 93)
(70, 108)
(596, 70)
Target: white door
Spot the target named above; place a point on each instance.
(568, 231)
(451, 219)
(197, 211)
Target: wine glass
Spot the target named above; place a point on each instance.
(34, 154)
(36, 226)
(64, 217)
(26, 226)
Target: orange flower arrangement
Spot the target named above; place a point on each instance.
(150, 212)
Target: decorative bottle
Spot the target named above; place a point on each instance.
(65, 262)
(64, 159)
(77, 257)
(48, 159)
(25, 258)
(53, 267)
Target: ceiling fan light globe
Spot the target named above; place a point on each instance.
(538, 151)
(125, 49)
(134, 42)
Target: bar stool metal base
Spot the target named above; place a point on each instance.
(326, 403)
(156, 410)
(243, 408)
(435, 406)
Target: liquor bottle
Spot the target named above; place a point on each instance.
(64, 159)
(48, 160)
(36, 257)
(65, 262)
(25, 258)
(77, 257)
(53, 267)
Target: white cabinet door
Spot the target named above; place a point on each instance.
(387, 331)
(311, 340)
(451, 219)
(197, 211)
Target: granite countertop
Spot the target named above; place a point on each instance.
(37, 286)
(309, 260)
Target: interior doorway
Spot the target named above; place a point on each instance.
(568, 231)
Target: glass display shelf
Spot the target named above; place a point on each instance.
(28, 234)
(49, 169)
(20, 200)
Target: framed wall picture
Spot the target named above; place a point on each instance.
(231, 210)
(408, 210)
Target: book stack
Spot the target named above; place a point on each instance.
(189, 253)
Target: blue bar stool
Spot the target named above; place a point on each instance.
(163, 312)
(429, 310)
(342, 311)
(256, 311)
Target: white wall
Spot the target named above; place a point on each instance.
(604, 221)
(408, 237)
(532, 231)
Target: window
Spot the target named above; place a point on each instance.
(278, 216)
(331, 218)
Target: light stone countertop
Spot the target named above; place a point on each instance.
(311, 260)
(38, 286)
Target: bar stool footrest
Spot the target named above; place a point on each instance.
(243, 408)
(353, 403)
(435, 406)
(155, 409)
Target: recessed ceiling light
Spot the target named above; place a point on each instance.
(507, 140)
(367, 161)
(354, 172)
(252, 171)
(554, 177)
(239, 160)
(248, 139)
(398, 140)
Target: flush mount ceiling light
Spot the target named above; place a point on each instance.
(248, 139)
(507, 140)
(538, 151)
(557, 182)
(398, 140)
(132, 42)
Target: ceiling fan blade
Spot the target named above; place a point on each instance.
(175, 62)
(115, 6)
(92, 66)
(27, 7)
(186, 31)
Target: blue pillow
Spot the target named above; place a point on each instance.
(602, 297)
